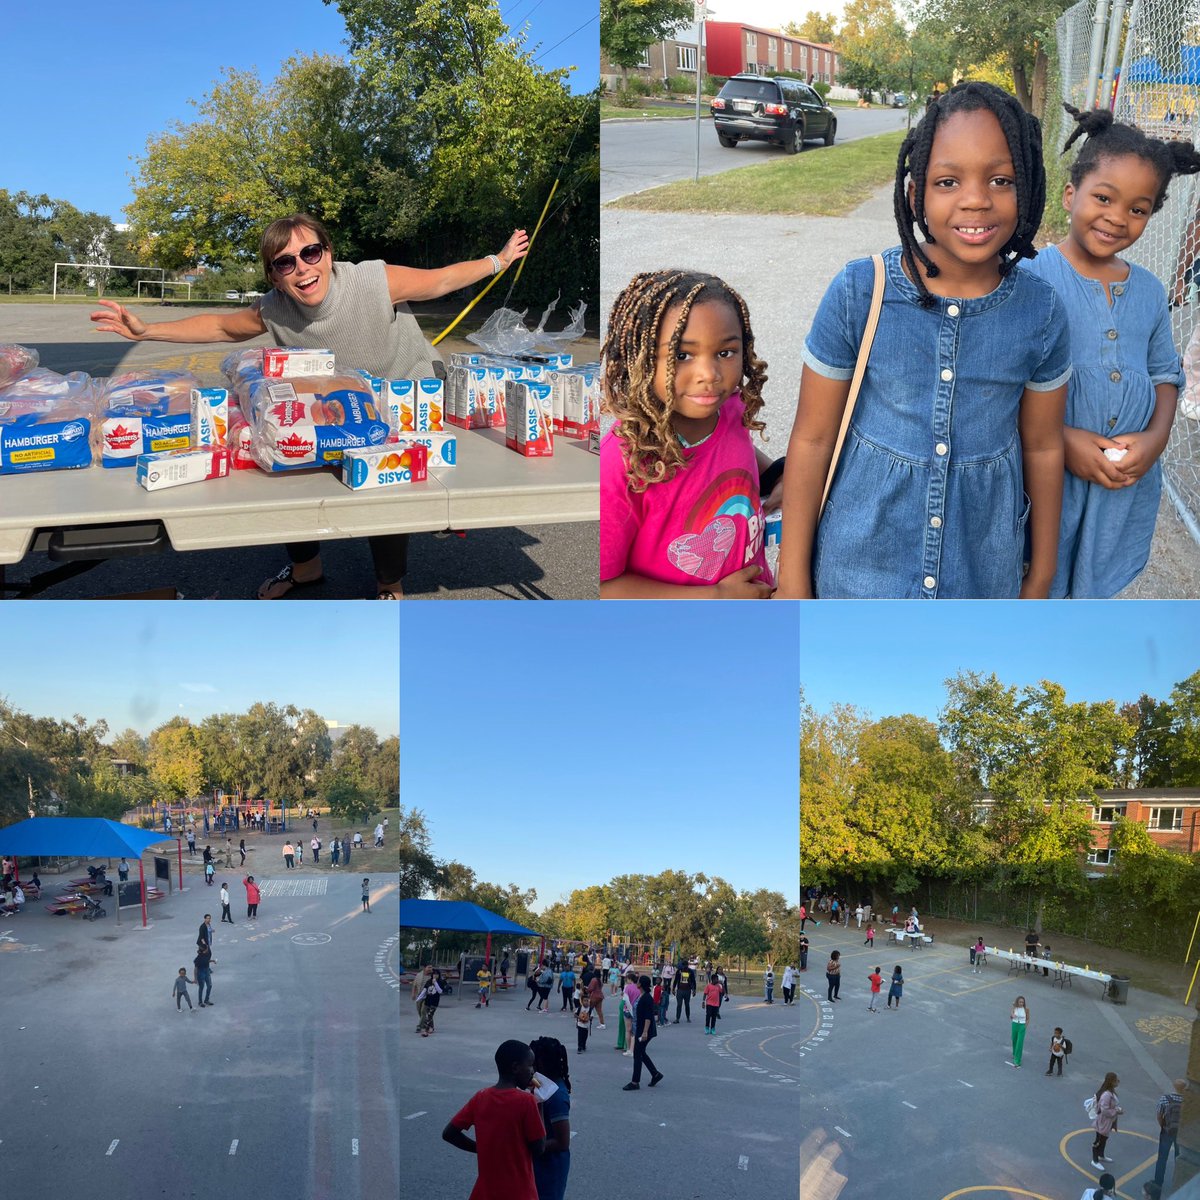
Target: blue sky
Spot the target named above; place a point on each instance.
(92, 82)
(139, 664)
(892, 658)
(558, 745)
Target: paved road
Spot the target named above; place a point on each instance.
(918, 1103)
(722, 1124)
(539, 561)
(287, 1087)
(641, 154)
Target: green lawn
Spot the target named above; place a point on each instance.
(610, 111)
(828, 182)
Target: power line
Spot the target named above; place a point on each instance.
(567, 38)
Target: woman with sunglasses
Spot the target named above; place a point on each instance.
(357, 310)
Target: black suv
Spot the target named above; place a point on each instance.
(771, 108)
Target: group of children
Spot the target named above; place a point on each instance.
(1009, 425)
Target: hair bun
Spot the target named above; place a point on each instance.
(1187, 160)
(1092, 122)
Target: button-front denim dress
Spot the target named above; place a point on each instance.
(1121, 351)
(928, 499)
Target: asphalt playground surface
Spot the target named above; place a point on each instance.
(722, 1123)
(286, 1087)
(531, 562)
(923, 1102)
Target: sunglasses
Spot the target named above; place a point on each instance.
(285, 264)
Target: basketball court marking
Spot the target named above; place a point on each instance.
(293, 887)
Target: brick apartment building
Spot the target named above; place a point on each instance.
(730, 48)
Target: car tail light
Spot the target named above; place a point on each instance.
(775, 110)
(718, 103)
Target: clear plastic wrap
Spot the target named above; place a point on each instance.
(46, 422)
(504, 332)
(310, 420)
(144, 412)
(15, 362)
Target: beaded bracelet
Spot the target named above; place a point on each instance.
(496, 264)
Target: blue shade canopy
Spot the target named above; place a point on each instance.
(83, 837)
(458, 915)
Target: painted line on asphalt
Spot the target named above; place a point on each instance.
(113, 1145)
(907, 1105)
(414, 1116)
(354, 1147)
(842, 1131)
(233, 1147)
(965, 1083)
(743, 1163)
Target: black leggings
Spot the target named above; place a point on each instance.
(711, 1012)
(389, 552)
(1098, 1146)
(683, 1003)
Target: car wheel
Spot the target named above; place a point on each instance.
(831, 133)
(796, 142)
(727, 141)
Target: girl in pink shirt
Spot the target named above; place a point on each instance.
(680, 511)
(712, 1005)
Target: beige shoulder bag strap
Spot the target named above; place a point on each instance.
(860, 369)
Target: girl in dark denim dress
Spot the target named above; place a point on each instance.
(955, 450)
(1127, 372)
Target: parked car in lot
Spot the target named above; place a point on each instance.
(233, 295)
(771, 108)
(900, 100)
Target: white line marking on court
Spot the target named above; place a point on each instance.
(842, 1131)
(414, 1116)
(115, 1143)
(743, 1163)
(233, 1147)
(965, 1083)
(907, 1105)
(354, 1147)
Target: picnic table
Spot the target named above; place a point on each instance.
(916, 941)
(91, 514)
(1063, 973)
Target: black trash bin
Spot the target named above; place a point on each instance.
(1118, 989)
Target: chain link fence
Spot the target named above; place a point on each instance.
(1156, 44)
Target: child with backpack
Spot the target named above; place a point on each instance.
(1059, 1049)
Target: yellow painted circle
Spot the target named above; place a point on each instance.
(995, 1187)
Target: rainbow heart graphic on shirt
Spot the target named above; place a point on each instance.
(703, 554)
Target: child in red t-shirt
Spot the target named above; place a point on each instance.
(876, 980)
(509, 1132)
(712, 1005)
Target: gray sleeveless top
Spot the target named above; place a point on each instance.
(357, 322)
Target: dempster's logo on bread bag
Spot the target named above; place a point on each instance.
(295, 446)
(121, 436)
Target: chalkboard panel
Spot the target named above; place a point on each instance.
(472, 965)
(162, 868)
(129, 894)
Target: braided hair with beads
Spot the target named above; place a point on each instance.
(1022, 132)
(550, 1056)
(629, 357)
(1108, 138)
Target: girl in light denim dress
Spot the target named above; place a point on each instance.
(1127, 372)
(956, 442)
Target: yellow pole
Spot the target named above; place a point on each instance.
(1193, 983)
(536, 229)
(1194, 927)
(495, 280)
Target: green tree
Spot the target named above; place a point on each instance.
(347, 795)
(628, 27)
(871, 46)
(204, 191)
(1183, 740)
(742, 934)
(1150, 763)
(175, 761)
(816, 27)
(1020, 29)
(27, 247)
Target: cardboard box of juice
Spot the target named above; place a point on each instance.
(375, 466)
(414, 405)
(281, 363)
(529, 427)
(576, 401)
(210, 416)
(192, 464)
(442, 448)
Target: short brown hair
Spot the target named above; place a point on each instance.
(279, 233)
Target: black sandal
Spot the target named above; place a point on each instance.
(286, 575)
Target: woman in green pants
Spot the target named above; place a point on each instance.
(1020, 1021)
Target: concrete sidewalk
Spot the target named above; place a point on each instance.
(782, 266)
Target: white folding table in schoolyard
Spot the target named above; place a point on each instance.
(1063, 973)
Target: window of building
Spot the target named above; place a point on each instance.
(787, 51)
(772, 45)
(1166, 818)
(1102, 858)
(645, 59)
(1106, 814)
(751, 42)
(685, 58)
